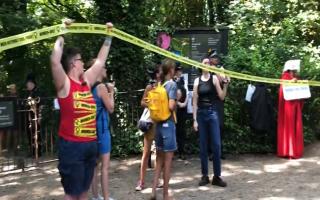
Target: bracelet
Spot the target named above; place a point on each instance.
(107, 41)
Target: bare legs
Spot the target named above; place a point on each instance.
(163, 161)
(105, 160)
(147, 142)
(94, 184)
(105, 175)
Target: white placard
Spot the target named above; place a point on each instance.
(250, 91)
(296, 92)
(189, 104)
(186, 81)
(56, 105)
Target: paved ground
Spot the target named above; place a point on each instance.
(262, 177)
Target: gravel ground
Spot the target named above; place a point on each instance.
(263, 177)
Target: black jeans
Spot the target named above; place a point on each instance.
(181, 131)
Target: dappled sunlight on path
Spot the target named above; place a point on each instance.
(261, 177)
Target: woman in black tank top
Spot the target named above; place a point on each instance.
(206, 93)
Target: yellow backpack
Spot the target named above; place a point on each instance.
(158, 103)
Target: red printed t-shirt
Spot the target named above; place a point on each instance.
(78, 114)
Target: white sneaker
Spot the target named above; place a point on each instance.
(98, 198)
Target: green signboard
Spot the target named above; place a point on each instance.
(6, 113)
(196, 43)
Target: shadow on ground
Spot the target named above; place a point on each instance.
(262, 177)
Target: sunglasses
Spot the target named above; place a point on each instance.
(79, 59)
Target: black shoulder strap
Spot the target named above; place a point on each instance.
(199, 82)
(211, 80)
(95, 85)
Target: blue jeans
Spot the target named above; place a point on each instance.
(166, 136)
(208, 125)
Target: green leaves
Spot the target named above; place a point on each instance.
(265, 34)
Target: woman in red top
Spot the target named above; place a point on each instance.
(290, 128)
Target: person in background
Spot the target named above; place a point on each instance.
(148, 136)
(181, 111)
(12, 90)
(215, 61)
(33, 103)
(32, 86)
(165, 137)
(206, 93)
(77, 132)
(104, 97)
(12, 132)
(290, 126)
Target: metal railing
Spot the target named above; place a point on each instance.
(17, 143)
(17, 148)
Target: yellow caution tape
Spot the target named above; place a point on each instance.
(45, 33)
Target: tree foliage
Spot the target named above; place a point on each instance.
(263, 35)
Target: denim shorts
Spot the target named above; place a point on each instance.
(166, 136)
(104, 142)
(77, 161)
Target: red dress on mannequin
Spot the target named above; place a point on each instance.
(290, 128)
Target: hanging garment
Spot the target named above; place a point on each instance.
(261, 114)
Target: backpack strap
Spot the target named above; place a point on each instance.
(95, 85)
(165, 83)
(173, 113)
(99, 112)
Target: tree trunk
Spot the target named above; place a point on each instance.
(211, 12)
(195, 12)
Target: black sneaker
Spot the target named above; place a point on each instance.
(153, 198)
(204, 181)
(218, 181)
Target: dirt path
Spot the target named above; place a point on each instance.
(263, 177)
